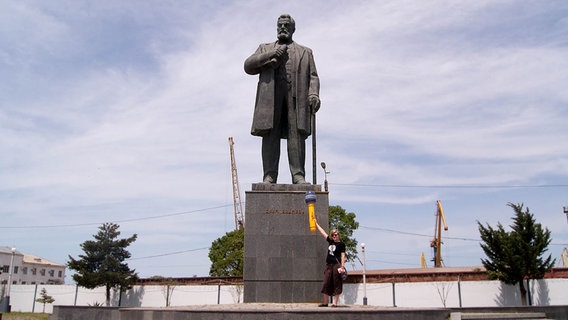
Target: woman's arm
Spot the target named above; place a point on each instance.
(320, 229)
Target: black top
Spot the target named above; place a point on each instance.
(334, 251)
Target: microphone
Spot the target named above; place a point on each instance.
(311, 201)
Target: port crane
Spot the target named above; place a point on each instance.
(423, 261)
(237, 204)
(436, 243)
(563, 258)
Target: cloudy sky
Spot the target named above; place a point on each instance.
(120, 111)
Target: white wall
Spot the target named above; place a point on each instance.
(543, 292)
(550, 292)
(415, 294)
(22, 296)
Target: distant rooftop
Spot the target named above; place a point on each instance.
(31, 259)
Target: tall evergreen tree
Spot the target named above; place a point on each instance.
(515, 256)
(103, 261)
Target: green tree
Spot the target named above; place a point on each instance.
(345, 223)
(227, 254)
(44, 298)
(517, 255)
(103, 261)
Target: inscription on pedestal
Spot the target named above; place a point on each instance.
(284, 211)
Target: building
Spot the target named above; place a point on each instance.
(29, 269)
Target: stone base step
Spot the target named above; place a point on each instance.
(498, 315)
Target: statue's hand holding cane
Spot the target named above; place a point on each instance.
(315, 103)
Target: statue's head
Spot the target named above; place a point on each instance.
(285, 28)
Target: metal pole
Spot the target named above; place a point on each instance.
(393, 296)
(10, 280)
(459, 292)
(314, 171)
(325, 172)
(219, 293)
(34, 302)
(364, 276)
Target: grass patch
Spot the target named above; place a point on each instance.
(25, 316)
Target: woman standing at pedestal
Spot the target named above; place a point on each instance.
(334, 267)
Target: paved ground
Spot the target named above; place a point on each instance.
(276, 307)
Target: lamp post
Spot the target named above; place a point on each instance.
(364, 276)
(325, 172)
(7, 302)
(565, 211)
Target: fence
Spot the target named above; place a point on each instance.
(545, 292)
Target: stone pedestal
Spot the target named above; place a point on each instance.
(283, 260)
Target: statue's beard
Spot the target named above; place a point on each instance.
(284, 36)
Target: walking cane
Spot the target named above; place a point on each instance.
(314, 158)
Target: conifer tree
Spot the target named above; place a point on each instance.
(44, 298)
(517, 255)
(103, 261)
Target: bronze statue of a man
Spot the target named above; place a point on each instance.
(287, 96)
